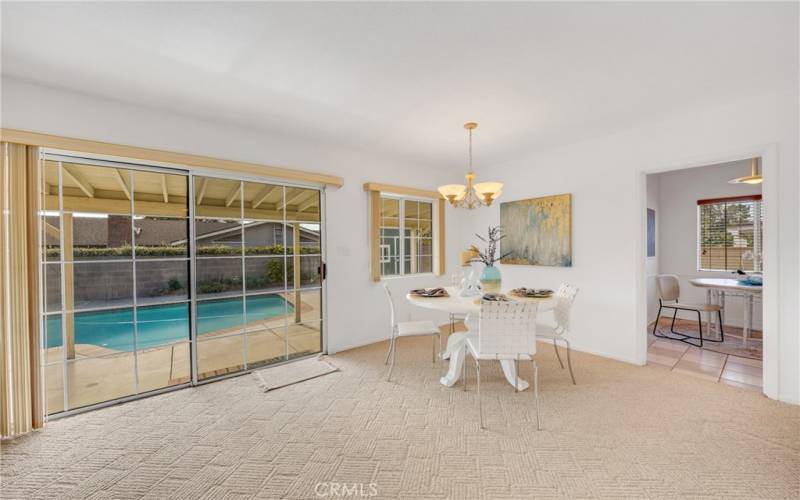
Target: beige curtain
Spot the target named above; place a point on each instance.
(21, 401)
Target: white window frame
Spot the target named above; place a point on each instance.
(758, 244)
(402, 226)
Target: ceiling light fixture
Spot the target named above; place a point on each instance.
(754, 177)
(472, 195)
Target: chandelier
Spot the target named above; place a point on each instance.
(472, 195)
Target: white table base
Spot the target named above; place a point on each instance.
(456, 352)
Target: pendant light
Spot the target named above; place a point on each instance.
(754, 177)
(472, 195)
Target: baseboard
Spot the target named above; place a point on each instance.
(623, 359)
(356, 346)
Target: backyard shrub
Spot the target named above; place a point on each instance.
(173, 285)
(219, 285)
(175, 251)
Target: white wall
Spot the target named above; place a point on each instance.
(357, 308)
(652, 268)
(677, 250)
(605, 177)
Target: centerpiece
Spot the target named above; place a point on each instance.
(490, 277)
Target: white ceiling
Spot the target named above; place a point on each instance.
(403, 78)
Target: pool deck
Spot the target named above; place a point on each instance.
(99, 374)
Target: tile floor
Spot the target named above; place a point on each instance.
(704, 364)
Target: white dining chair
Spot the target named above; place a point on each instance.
(669, 295)
(564, 297)
(407, 329)
(506, 331)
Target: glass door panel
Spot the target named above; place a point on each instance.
(304, 266)
(162, 269)
(116, 281)
(220, 272)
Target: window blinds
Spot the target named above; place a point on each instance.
(730, 233)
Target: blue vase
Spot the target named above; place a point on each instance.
(490, 279)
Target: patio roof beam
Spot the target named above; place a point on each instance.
(201, 192)
(79, 179)
(313, 200)
(262, 195)
(298, 195)
(233, 194)
(164, 190)
(122, 183)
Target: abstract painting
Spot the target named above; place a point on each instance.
(538, 231)
(651, 232)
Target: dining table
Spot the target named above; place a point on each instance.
(717, 288)
(469, 308)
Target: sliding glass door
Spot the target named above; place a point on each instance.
(252, 307)
(156, 278)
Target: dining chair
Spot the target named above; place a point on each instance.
(669, 292)
(506, 331)
(564, 297)
(407, 329)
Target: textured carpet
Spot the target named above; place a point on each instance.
(623, 431)
(288, 374)
(734, 342)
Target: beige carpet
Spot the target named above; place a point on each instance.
(623, 431)
(278, 377)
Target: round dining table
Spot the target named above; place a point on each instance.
(469, 307)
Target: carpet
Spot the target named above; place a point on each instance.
(287, 374)
(624, 431)
(734, 342)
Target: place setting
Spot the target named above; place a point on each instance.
(436, 292)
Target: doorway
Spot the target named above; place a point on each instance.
(705, 233)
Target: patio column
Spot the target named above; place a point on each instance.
(296, 265)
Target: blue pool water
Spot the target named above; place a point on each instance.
(157, 325)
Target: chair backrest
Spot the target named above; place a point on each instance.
(507, 328)
(669, 287)
(391, 302)
(565, 296)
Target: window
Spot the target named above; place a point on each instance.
(406, 236)
(729, 234)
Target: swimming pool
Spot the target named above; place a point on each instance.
(158, 325)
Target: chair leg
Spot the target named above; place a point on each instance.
(558, 356)
(672, 326)
(536, 394)
(655, 325)
(480, 401)
(700, 325)
(389, 351)
(721, 329)
(394, 357)
(464, 374)
(569, 362)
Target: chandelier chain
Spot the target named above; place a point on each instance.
(470, 150)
